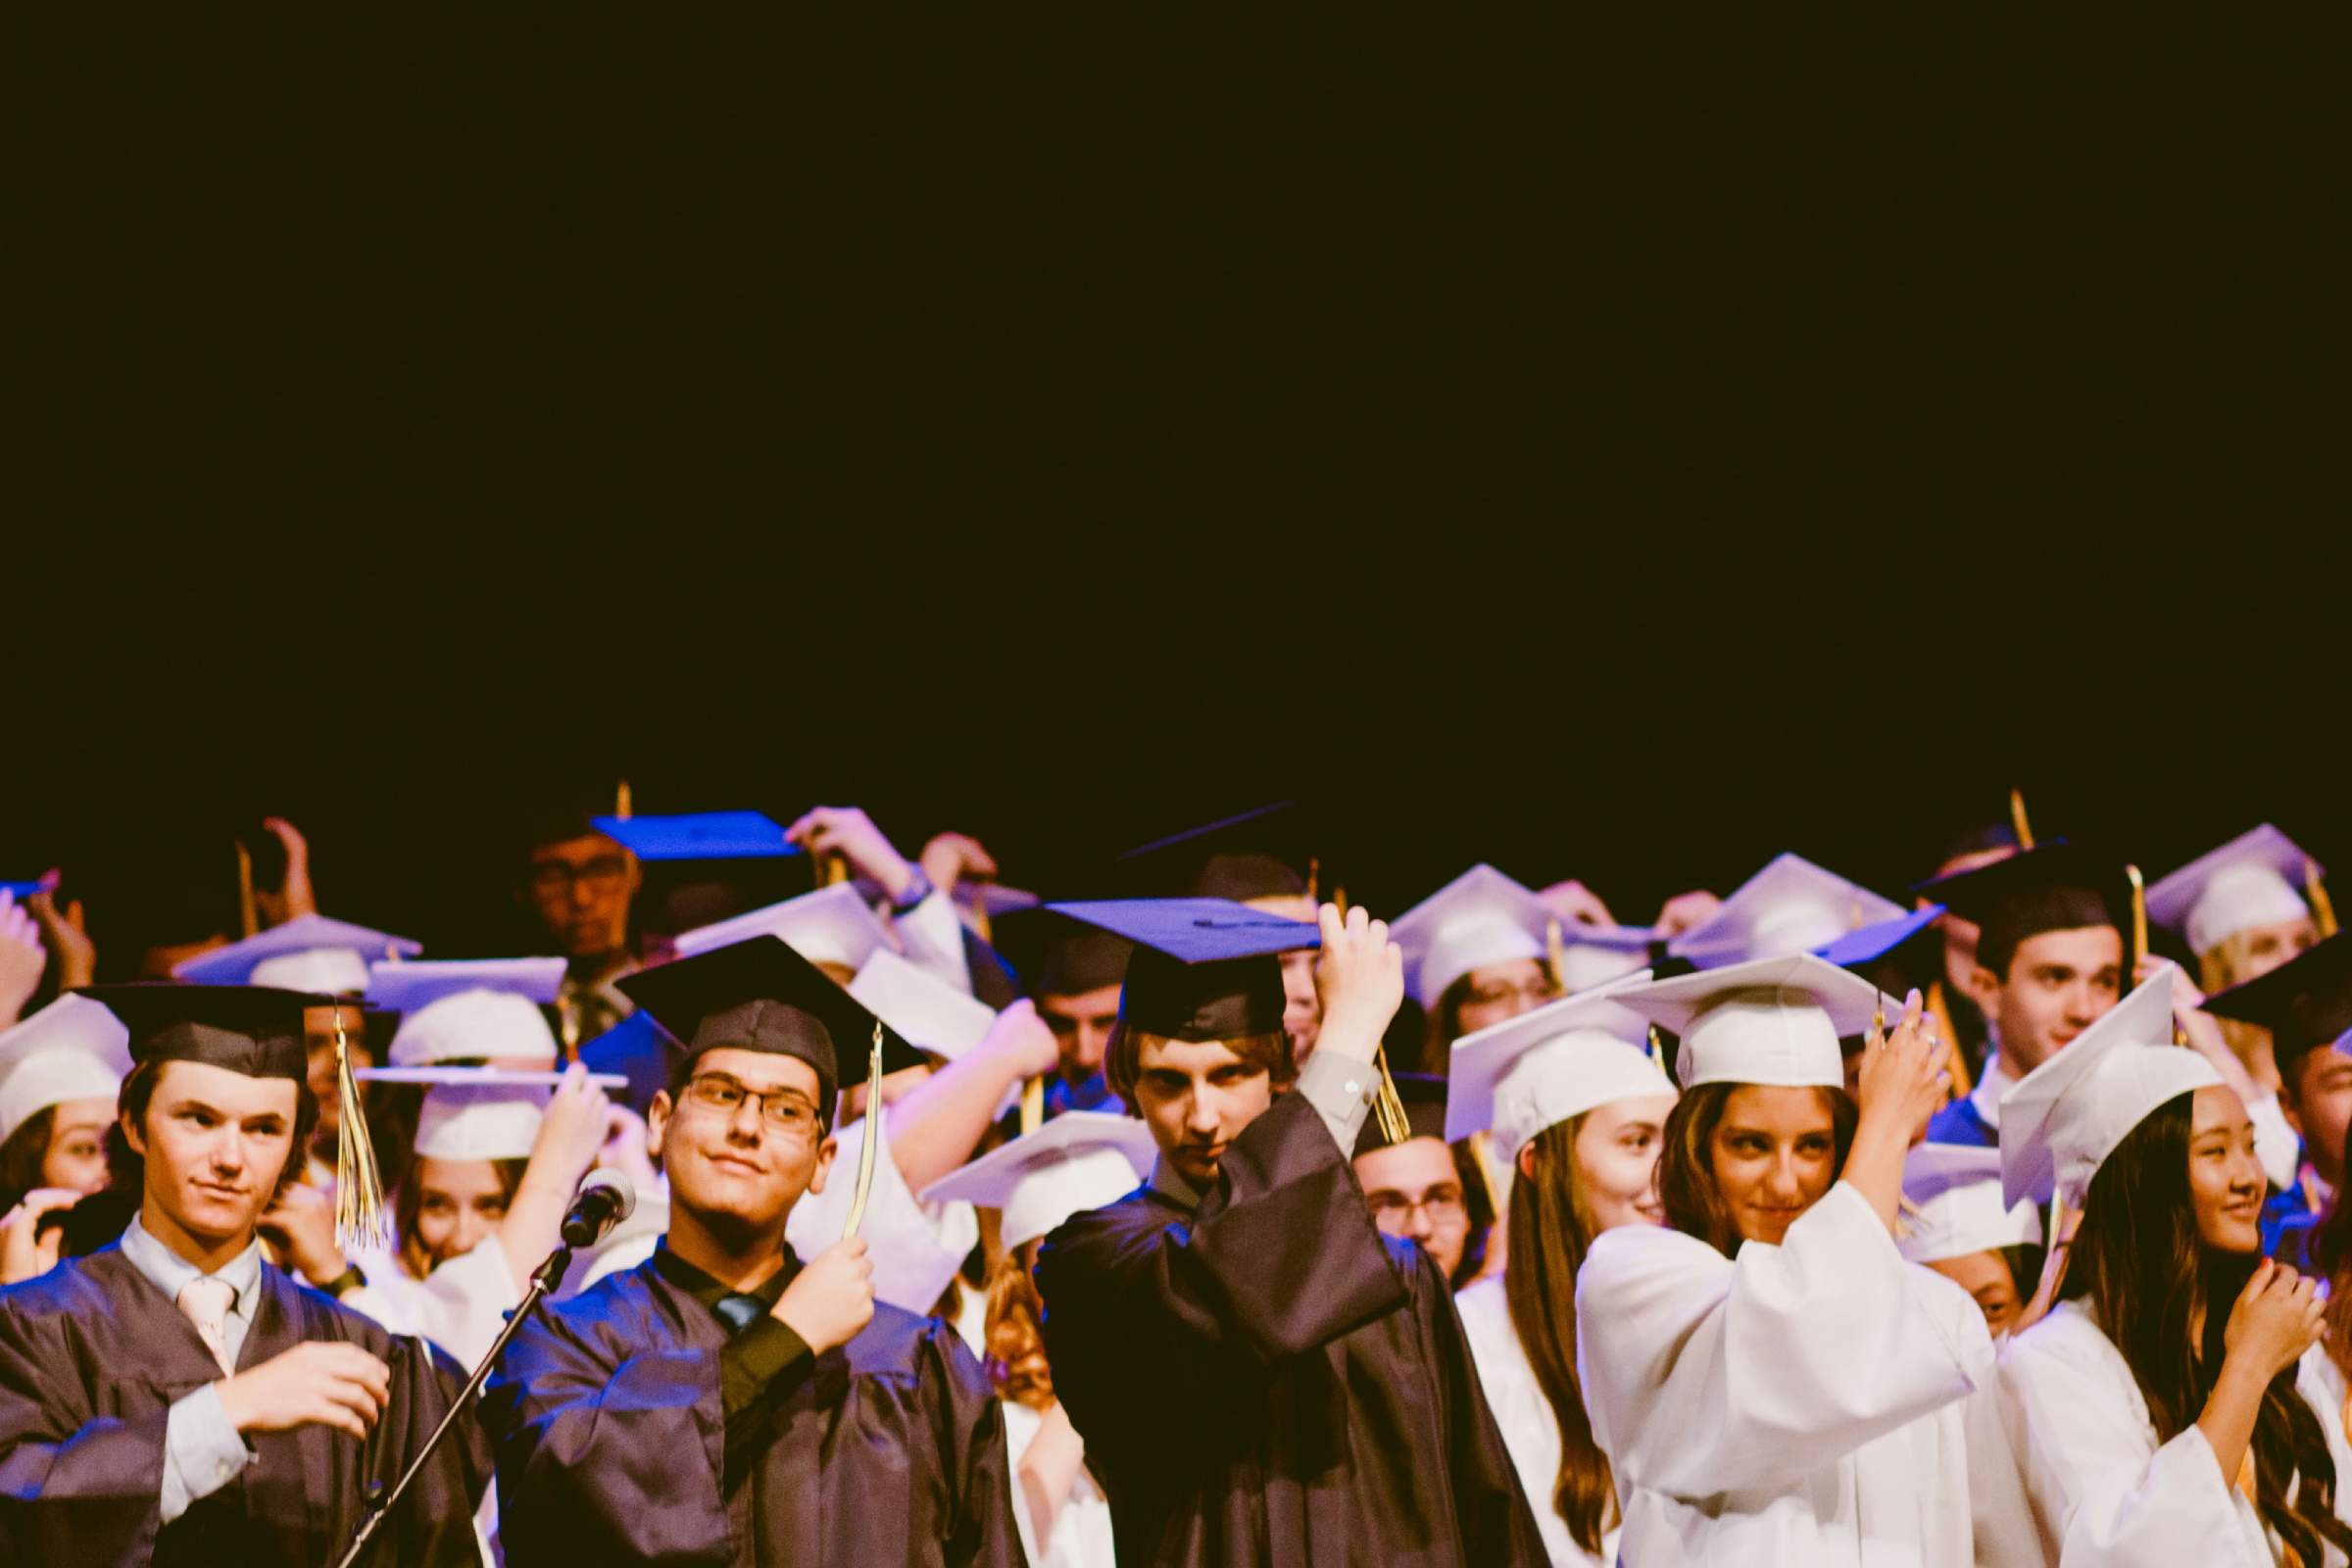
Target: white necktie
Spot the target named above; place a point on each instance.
(207, 1302)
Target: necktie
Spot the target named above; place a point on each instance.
(739, 1313)
(206, 1302)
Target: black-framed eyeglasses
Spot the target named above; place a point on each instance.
(784, 1110)
(1393, 1211)
(603, 875)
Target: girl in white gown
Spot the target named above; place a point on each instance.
(1578, 1109)
(2164, 1407)
(1771, 1383)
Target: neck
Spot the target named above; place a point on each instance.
(740, 1258)
(208, 1253)
(593, 968)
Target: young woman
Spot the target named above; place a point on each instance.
(1080, 1160)
(59, 1072)
(1770, 1382)
(1577, 1111)
(2164, 1406)
(2240, 911)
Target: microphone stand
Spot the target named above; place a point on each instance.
(549, 1275)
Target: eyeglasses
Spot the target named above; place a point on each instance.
(784, 1110)
(1393, 1211)
(604, 874)
(1493, 996)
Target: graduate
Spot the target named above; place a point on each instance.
(1424, 1189)
(1770, 1382)
(724, 1402)
(1258, 1374)
(175, 1399)
(2163, 1407)
(2301, 1010)
(1080, 1161)
(1474, 956)
(1792, 905)
(1075, 984)
(59, 1073)
(2240, 910)
(1579, 1109)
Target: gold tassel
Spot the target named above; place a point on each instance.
(1657, 1049)
(249, 913)
(982, 926)
(830, 869)
(1338, 901)
(2140, 918)
(2017, 820)
(1033, 1106)
(1556, 954)
(873, 1136)
(1955, 1061)
(2323, 908)
(623, 804)
(1386, 1105)
(1314, 877)
(359, 1218)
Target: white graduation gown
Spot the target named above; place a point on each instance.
(1081, 1536)
(2105, 1493)
(1799, 1406)
(1523, 1411)
(459, 1305)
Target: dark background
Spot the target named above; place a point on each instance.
(1614, 464)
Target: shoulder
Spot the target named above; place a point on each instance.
(316, 1315)
(896, 1342)
(619, 1301)
(1629, 1255)
(1097, 1239)
(1482, 1303)
(2065, 1334)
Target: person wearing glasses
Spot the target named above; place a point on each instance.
(724, 1402)
(581, 885)
(1422, 1187)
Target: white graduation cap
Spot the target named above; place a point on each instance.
(1480, 918)
(1773, 1021)
(1592, 957)
(2252, 880)
(1792, 905)
(1540, 1068)
(469, 1113)
(931, 1015)
(2061, 1121)
(74, 1048)
(308, 953)
(1079, 1160)
(1957, 1207)
(832, 925)
(468, 1010)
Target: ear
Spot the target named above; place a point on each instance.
(132, 1134)
(657, 1122)
(636, 873)
(824, 1163)
(1527, 1160)
(1984, 990)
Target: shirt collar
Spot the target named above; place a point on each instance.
(1168, 1184)
(171, 1273)
(1986, 1095)
(711, 1292)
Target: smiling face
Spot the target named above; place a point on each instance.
(2226, 1184)
(1197, 1097)
(735, 1170)
(460, 1204)
(2059, 984)
(1774, 1155)
(76, 1158)
(215, 1143)
(1617, 1162)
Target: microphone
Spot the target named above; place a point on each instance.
(603, 1201)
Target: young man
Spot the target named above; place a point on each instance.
(1260, 1376)
(722, 1402)
(1077, 993)
(174, 1397)
(1419, 1189)
(2306, 1004)
(579, 884)
(2050, 961)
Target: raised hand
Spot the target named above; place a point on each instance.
(63, 931)
(325, 1382)
(1360, 977)
(296, 896)
(573, 1129)
(24, 1251)
(22, 959)
(1578, 904)
(2278, 1315)
(301, 1225)
(1024, 1040)
(832, 1299)
(1903, 1078)
(1684, 910)
(847, 832)
(950, 858)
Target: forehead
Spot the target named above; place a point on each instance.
(230, 1093)
(456, 1178)
(1186, 1055)
(2215, 1107)
(1644, 1108)
(1504, 973)
(759, 1070)
(1778, 1109)
(1081, 1004)
(2089, 947)
(576, 851)
(1414, 1165)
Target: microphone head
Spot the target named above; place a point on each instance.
(625, 1197)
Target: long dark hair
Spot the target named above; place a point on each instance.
(1551, 1229)
(1687, 1188)
(23, 1155)
(2150, 1283)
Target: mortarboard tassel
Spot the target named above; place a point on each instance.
(623, 805)
(2139, 917)
(2323, 908)
(830, 869)
(1314, 877)
(1556, 954)
(1657, 1049)
(248, 911)
(1955, 1061)
(359, 1218)
(1033, 1106)
(873, 1136)
(1386, 1105)
(2017, 820)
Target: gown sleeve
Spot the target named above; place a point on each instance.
(74, 1486)
(934, 936)
(1707, 1376)
(982, 1532)
(1496, 1516)
(435, 1524)
(2099, 1480)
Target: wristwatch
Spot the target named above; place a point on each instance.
(343, 1284)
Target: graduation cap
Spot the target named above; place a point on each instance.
(705, 867)
(1080, 1160)
(931, 1015)
(1422, 1097)
(832, 925)
(1873, 944)
(1479, 918)
(761, 995)
(1257, 855)
(468, 1009)
(1058, 957)
(1546, 1066)
(476, 1112)
(74, 1048)
(2252, 880)
(308, 953)
(1792, 905)
(1956, 1207)
(1773, 1021)
(700, 836)
(2306, 1002)
(2061, 1121)
(638, 1052)
(2058, 886)
(1202, 968)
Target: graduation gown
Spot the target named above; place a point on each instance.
(611, 1438)
(92, 1357)
(1798, 1405)
(1523, 1411)
(2105, 1493)
(1269, 1380)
